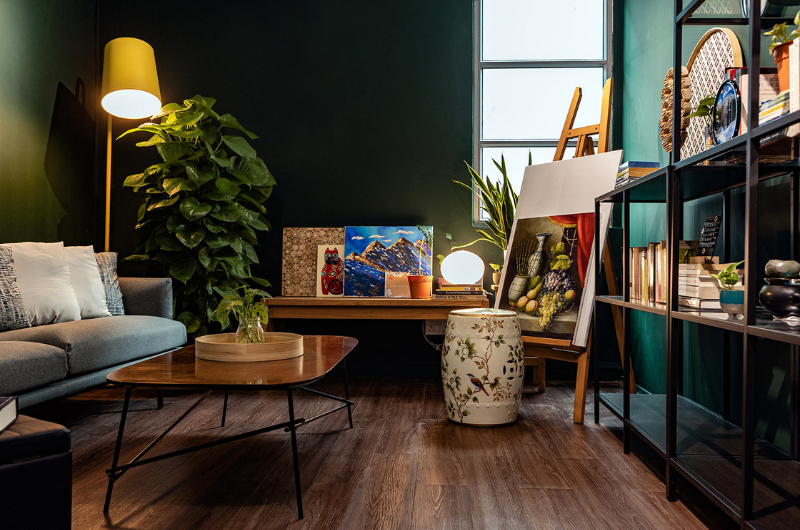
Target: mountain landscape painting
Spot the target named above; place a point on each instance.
(372, 251)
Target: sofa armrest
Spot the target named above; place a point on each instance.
(147, 296)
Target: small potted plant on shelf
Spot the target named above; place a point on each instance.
(731, 301)
(421, 285)
(247, 310)
(705, 110)
(779, 47)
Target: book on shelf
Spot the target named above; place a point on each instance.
(774, 108)
(455, 287)
(698, 303)
(633, 170)
(647, 272)
(702, 291)
(450, 295)
(8, 411)
(768, 89)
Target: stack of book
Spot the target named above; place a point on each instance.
(647, 273)
(697, 289)
(459, 291)
(774, 108)
(633, 170)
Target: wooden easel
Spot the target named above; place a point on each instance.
(538, 349)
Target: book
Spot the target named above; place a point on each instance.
(8, 412)
(630, 164)
(710, 292)
(460, 288)
(698, 303)
(768, 89)
(459, 296)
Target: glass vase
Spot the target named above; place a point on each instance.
(250, 331)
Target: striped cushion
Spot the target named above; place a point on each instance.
(12, 310)
(107, 263)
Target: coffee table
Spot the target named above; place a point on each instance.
(182, 370)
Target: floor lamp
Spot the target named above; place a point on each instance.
(129, 90)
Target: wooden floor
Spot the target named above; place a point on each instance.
(402, 466)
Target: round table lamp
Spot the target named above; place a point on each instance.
(462, 267)
(130, 81)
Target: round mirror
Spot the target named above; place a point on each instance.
(726, 113)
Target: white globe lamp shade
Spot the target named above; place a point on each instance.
(463, 267)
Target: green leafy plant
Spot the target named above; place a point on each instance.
(449, 238)
(499, 201)
(427, 237)
(727, 278)
(203, 205)
(495, 267)
(705, 109)
(778, 33)
(244, 307)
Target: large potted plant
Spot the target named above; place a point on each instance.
(499, 202)
(202, 207)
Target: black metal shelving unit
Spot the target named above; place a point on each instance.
(755, 483)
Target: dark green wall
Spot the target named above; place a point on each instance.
(363, 108)
(47, 137)
(646, 55)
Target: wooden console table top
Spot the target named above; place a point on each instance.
(377, 308)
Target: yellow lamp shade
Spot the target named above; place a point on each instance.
(130, 81)
(462, 266)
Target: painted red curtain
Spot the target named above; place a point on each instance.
(584, 223)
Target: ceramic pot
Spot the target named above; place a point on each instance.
(782, 301)
(538, 259)
(420, 286)
(518, 287)
(483, 366)
(732, 302)
(781, 55)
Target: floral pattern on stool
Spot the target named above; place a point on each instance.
(482, 366)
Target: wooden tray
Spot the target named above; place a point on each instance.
(223, 347)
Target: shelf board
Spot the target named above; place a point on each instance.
(708, 154)
(776, 485)
(713, 319)
(768, 328)
(649, 188)
(650, 307)
(700, 431)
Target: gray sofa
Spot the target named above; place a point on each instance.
(57, 360)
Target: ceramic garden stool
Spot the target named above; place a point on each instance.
(482, 366)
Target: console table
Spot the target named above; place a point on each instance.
(346, 308)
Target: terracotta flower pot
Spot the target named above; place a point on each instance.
(781, 55)
(420, 286)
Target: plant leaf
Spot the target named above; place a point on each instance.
(192, 209)
(183, 269)
(225, 190)
(191, 237)
(239, 146)
(229, 121)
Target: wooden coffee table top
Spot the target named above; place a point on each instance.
(181, 369)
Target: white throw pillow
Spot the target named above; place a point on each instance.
(86, 282)
(43, 280)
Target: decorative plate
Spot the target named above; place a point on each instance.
(727, 113)
(718, 49)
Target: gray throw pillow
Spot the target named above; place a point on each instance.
(107, 263)
(12, 310)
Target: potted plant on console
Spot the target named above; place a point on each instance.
(202, 207)
(421, 285)
(731, 301)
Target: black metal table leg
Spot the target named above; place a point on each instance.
(224, 408)
(113, 476)
(293, 430)
(160, 399)
(347, 394)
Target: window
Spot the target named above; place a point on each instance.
(529, 57)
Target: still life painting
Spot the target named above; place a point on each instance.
(549, 258)
(372, 251)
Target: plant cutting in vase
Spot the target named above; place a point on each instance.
(421, 285)
(203, 205)
(705, 110)
(730, 300)
(250, 313)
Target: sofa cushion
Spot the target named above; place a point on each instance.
(27, 365)
(102, 342)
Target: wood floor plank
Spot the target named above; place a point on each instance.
(403, 465)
